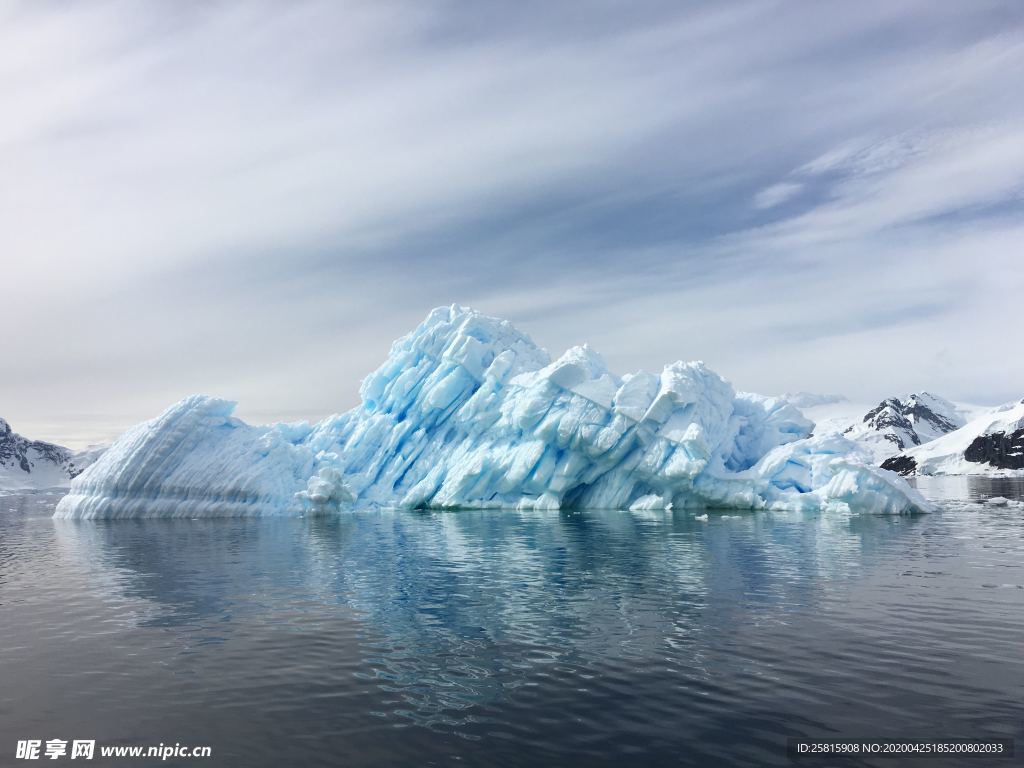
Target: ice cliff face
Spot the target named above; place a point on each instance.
(31, 464)
(469, 412)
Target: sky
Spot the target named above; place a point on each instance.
(252, 200)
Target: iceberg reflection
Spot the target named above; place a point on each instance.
(456, 609)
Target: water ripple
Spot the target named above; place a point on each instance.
(511, 638)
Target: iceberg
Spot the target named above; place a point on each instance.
(467, 412)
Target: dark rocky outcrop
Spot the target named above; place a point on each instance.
(999, 449)
(904, 465)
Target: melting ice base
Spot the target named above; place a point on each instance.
(468, 412)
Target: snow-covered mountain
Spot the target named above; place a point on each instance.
(897, 424)
(894, 425)
(32, 464)
(990, 444)
(467, 411)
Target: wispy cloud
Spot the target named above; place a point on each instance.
(253, 198)
(776, 194)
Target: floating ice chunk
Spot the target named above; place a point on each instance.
(467, 412)
(327, 488)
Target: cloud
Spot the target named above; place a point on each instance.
(776, 194)
(253, 199)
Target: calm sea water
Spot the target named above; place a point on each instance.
(511, 638)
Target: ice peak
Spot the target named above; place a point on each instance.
(445, 359)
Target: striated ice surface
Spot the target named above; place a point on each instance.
(468, 412)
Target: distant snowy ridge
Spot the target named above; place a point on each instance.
(811, 399)
(991, 444)
(33, 464)
(892, 426)
(468, 412)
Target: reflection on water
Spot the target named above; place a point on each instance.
(964, 488)
(510, 637)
